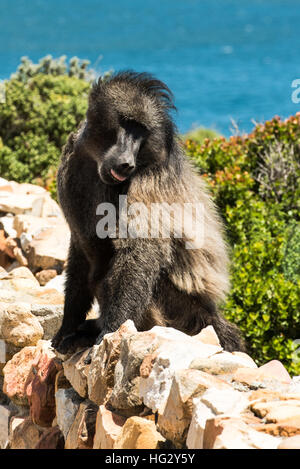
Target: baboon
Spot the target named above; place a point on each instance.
(128, 146)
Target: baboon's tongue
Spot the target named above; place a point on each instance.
(117, 176)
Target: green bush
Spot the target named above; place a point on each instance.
(43, 104)
(256, 184)
(198, 135)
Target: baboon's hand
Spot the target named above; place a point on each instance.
(72, 342)
(57, 339)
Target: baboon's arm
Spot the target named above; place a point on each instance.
(128, 287)
(78, 298)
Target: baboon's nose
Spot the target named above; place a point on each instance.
(126, 165)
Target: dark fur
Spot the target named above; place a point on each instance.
(151, 281)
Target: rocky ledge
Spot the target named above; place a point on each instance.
(153, 389)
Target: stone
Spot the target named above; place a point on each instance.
(25, 188)
(45, 207)
(285, 428)
(24, 434)
(82, 430)
(67, 405)
(139, 433)
(49, 248)
(225, 401)
(44, 276)
(6, 224)
(20, 286)
(125, 393)
(57, 283)
(51, 439)
(283, 412)
(20, 327)
(61, 381)
(208, 336)
(294, 386)
(16, 372)
(4, 420)
(108, 428)
(76, 372)
(246, 358)
(40, 385)
(31, 225)
(255, 378)
(25, 240)
(47, 296)
(290, 443)
(174, 422)
(16, 203)
(101, 375)
(274, 411)
(275, 369)
(201, 413)
(21, 279)
(222, 363)
(232, 433)
(49, 316)
(174, 351)
(264, 395)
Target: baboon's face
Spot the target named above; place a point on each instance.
(119, 161)
(116, 147)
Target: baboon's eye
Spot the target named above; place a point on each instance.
(133, 127)
(109, 135)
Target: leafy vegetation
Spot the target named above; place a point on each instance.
(255, 180)
(200, 134)
(43, 104)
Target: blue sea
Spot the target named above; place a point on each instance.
(223, 59)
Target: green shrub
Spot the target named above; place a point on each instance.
(198, 135)
(43, 104)
(255, 181)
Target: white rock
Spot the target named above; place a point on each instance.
(201, 413)
(176, 352)
(233, 433)
(16, 203)
(7, 224)
(49, 317)
(57, 283)
(225, 401)
(31, 225)
(25, 240)
(3, 182)
(49, 249)
(44, 207)
(208, 336)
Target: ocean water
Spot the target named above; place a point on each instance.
(223, 59)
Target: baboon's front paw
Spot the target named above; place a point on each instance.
(73, 342)
(56, 340)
